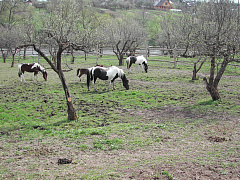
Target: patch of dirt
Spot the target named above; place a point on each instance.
(217, 139)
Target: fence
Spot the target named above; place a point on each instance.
(147, 52)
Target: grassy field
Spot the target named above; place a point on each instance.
(164, 127)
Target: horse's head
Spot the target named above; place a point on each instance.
(44, 72)
(125, 84)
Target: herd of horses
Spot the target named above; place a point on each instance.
(93, 73)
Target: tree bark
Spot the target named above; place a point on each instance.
(195, 70)
(213, 91)
(4, 55)
(13, 59)
(194, 76)
(212, 85)
(70, 108)
(71, 111)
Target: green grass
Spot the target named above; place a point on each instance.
(164, 119)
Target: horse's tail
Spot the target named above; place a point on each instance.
(89, 75)
(20, 70)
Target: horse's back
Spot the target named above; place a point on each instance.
(141, 59)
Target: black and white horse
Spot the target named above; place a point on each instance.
(34, 68)
(109, 74)
(140, 60)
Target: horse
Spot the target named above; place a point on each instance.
(34, 68)
(83, 71)
(140, 60)
(110, 74)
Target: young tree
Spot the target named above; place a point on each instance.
(59, 29)
(218, 37)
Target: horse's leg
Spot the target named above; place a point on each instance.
(94, 83)
(109, 85)
(130, 64)
(80, 76)
(22, 77)
(142, 68)
(113, 85)
(34, 76)
(139, 68)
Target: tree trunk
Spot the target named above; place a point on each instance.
(73, 58)
(195, 70)
(70, 108)
(212, 90)
(13, 60)
(24, 53)
(175, 56)
(194, 76)
(120, 59)
(212, 85)
(4, 55)
(71, 111)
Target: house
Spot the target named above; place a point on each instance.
(163, 5)
(29, 2)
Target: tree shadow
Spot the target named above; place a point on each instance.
(209, 102)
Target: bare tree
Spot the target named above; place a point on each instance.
(217, 37)
(126, 34)
(59, 29)
(11, 14)
(169, 32)
(92, 27)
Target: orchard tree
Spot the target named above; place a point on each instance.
(12, 34)
(169, 33)
(68, 24)
(126, 34)
(59, 29)
(217, 37)
(92, 27)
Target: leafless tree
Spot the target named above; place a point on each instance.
(169, 32)
(126, 34)
(11, 13)
(59, 30)
(218, 37)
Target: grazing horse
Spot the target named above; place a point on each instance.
(110, 74)
(140, 60)
(83, 71)
(35, 68)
